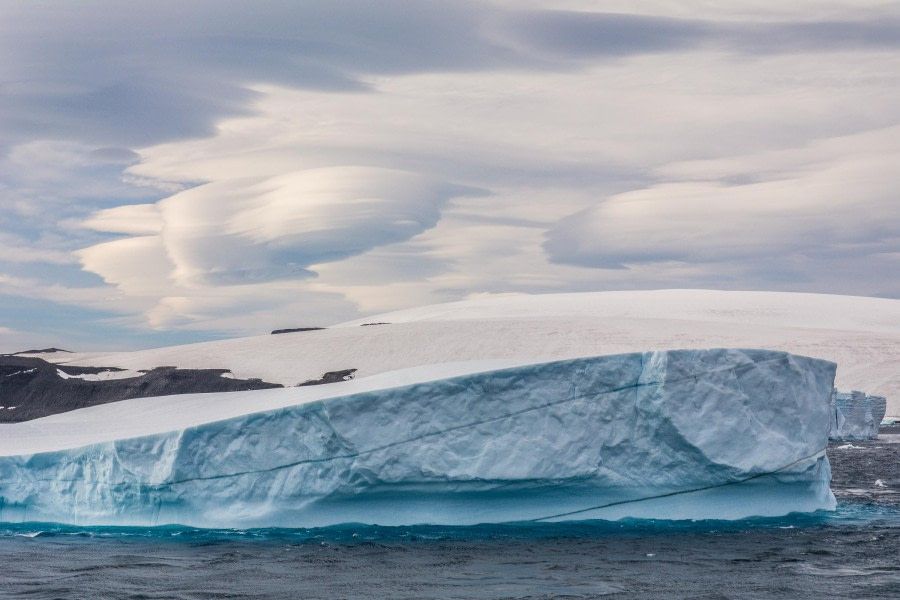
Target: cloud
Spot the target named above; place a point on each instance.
(137, 266)
(569, 34)
(253, 309)
(559, 154)
(134, 219)
(12, 340)
(262, 229)
(46, 188)
(54, 180)
(218, 164)
(833, 200)
(815, 36)
(572, 35)
(144, 74)
(113, 155)
(15, 250)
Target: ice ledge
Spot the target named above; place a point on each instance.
(677, 434)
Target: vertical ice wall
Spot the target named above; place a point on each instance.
(678, 434)
(855, 416)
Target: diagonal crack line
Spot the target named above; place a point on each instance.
(815, 454)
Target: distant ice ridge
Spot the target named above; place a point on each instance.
(682, 434)
(855, 416)
(862, 335)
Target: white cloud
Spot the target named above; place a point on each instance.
(757, 160)
(137, 266)
(276, 227)
(228, 245)
(261, 229)
(798, 212)
(326, 160)
(134, 219)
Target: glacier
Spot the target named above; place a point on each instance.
(677, 434)
(855, 415)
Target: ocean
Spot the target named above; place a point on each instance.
(853, 552)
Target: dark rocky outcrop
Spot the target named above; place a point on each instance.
(331, 377)
(296, 329)
(36, 389)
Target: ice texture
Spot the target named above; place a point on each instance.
(855, 415)
(680, 434)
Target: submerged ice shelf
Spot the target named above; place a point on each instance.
(664, 434)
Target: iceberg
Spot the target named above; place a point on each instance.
(855, 415)
(678, 434)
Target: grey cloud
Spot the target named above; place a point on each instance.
(822, 36)
(121, 113)
(111, 154)
(579, 36)
(124, 74)
(574, 34)
(708, 224)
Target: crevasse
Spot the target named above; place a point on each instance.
(668, 434)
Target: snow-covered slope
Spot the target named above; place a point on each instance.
(862, 335)
(681, 434)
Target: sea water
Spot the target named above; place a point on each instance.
(853, 552)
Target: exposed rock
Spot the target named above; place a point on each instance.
(330, 377)
(37, 388)
(296, 329)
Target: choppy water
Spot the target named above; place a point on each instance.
(851, 553)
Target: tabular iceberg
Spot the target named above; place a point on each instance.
(665, 434)
(855, 416)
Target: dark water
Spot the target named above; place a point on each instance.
(851, 553)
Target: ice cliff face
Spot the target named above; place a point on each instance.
(855, 416)
(677, 434)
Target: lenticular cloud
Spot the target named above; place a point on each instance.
(260, 229)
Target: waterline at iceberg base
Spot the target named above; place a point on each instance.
(681, 434)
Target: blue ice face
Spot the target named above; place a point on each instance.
(855, 415)
(680, 434)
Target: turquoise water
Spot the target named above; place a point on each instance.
(846, 515)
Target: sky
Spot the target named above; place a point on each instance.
(182, 171)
